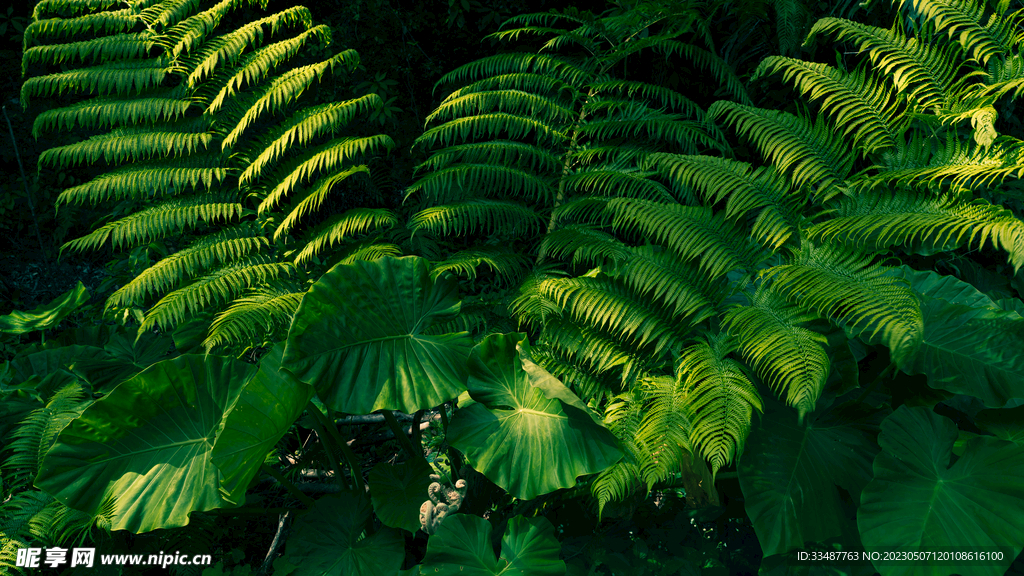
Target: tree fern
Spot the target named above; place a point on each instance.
(177, 104)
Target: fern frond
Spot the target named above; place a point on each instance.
(581, 381)
(691, 232)
(707, 60)
(68, 8)
(254, 318)
(228, 48)
(510, 266)
(341, 227)
(923, 70)
(368, 251)
(587, 245)
(496, 152)
(879, 220)
(168, 217)
(746, 190)
(720, 398)
(510, 181)
(150, 179)
(129, 46)
(158, 106)
(845, 285)
(135, 144)
(118, 78)
(517, 63)
(495, 216)
(230, 244)
(622, 416)
(534, 83)
(34, 436)
(857, 103)
(185, 34)
(515, 102)
(789, 357)
(493, 125)
(608, 305)
(660, 276)
(15, 531)
(95, 24)
(690, 135)
(313, 198)
(217, 287)
(810, 153)
(281, 91)
(329, 157)
(662, 97)
(962, 20)
(609, 181)
(595, 351)
(665, 429)
(961, 164)
(301, 129)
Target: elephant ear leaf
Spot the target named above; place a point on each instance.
(47, 316)
(918, 501)
(462, 547)
(328, 541)
(266, 408)
(526, 431)
(147, 445)
(360, 337)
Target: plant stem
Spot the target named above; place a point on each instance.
(403, 438)
(454, 461)
(276, 475)
(319, 426)
(24, 180)
(325, 423)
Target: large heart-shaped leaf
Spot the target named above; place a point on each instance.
(526, 432)
(266, 408)
(147, 445)
(326, 541)
(973, 351)
(917, 501)
(47, 316)
(398, 491)
(790, 474)
(462, 547)
(360, 337)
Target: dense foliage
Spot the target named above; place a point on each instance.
(614, 320)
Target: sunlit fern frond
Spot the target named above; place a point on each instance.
(265, 311)
(809, 153)
(343, 227)
(509, 218)
(169, 217)
(132, 144)
(213, 289)
(720, 399)
(161, 105)
(151, 179)
(509, 266)
(691, 232)
(787, 356)
(859, 104)
(849, 287)
(210, 250)
(881, 219)
(964, 21)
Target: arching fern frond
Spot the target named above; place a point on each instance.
(129, 46)
(497, 153)
(224, 246)
(880, 220)
(810, 153)
(310, 202)
(168, 217)
(789, 357)
(720, 398)
(342, 227)
(466, 217)
(119, 78)
(217, 287)
(963, 20)
(157, 106)
(149, 179)
(256, 317)
(845, 285)
(507, 265)
(132, 144)
(858, 104)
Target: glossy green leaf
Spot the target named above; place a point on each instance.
(949, 288)
(918, 501)
(360, 337)
(527, 432)
(326, 541)
(1006, 423)
(791, 474)
(147, 444)
(462, 547)
(47, 316)
(266, 408)
(398, 491)
(973, 351)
